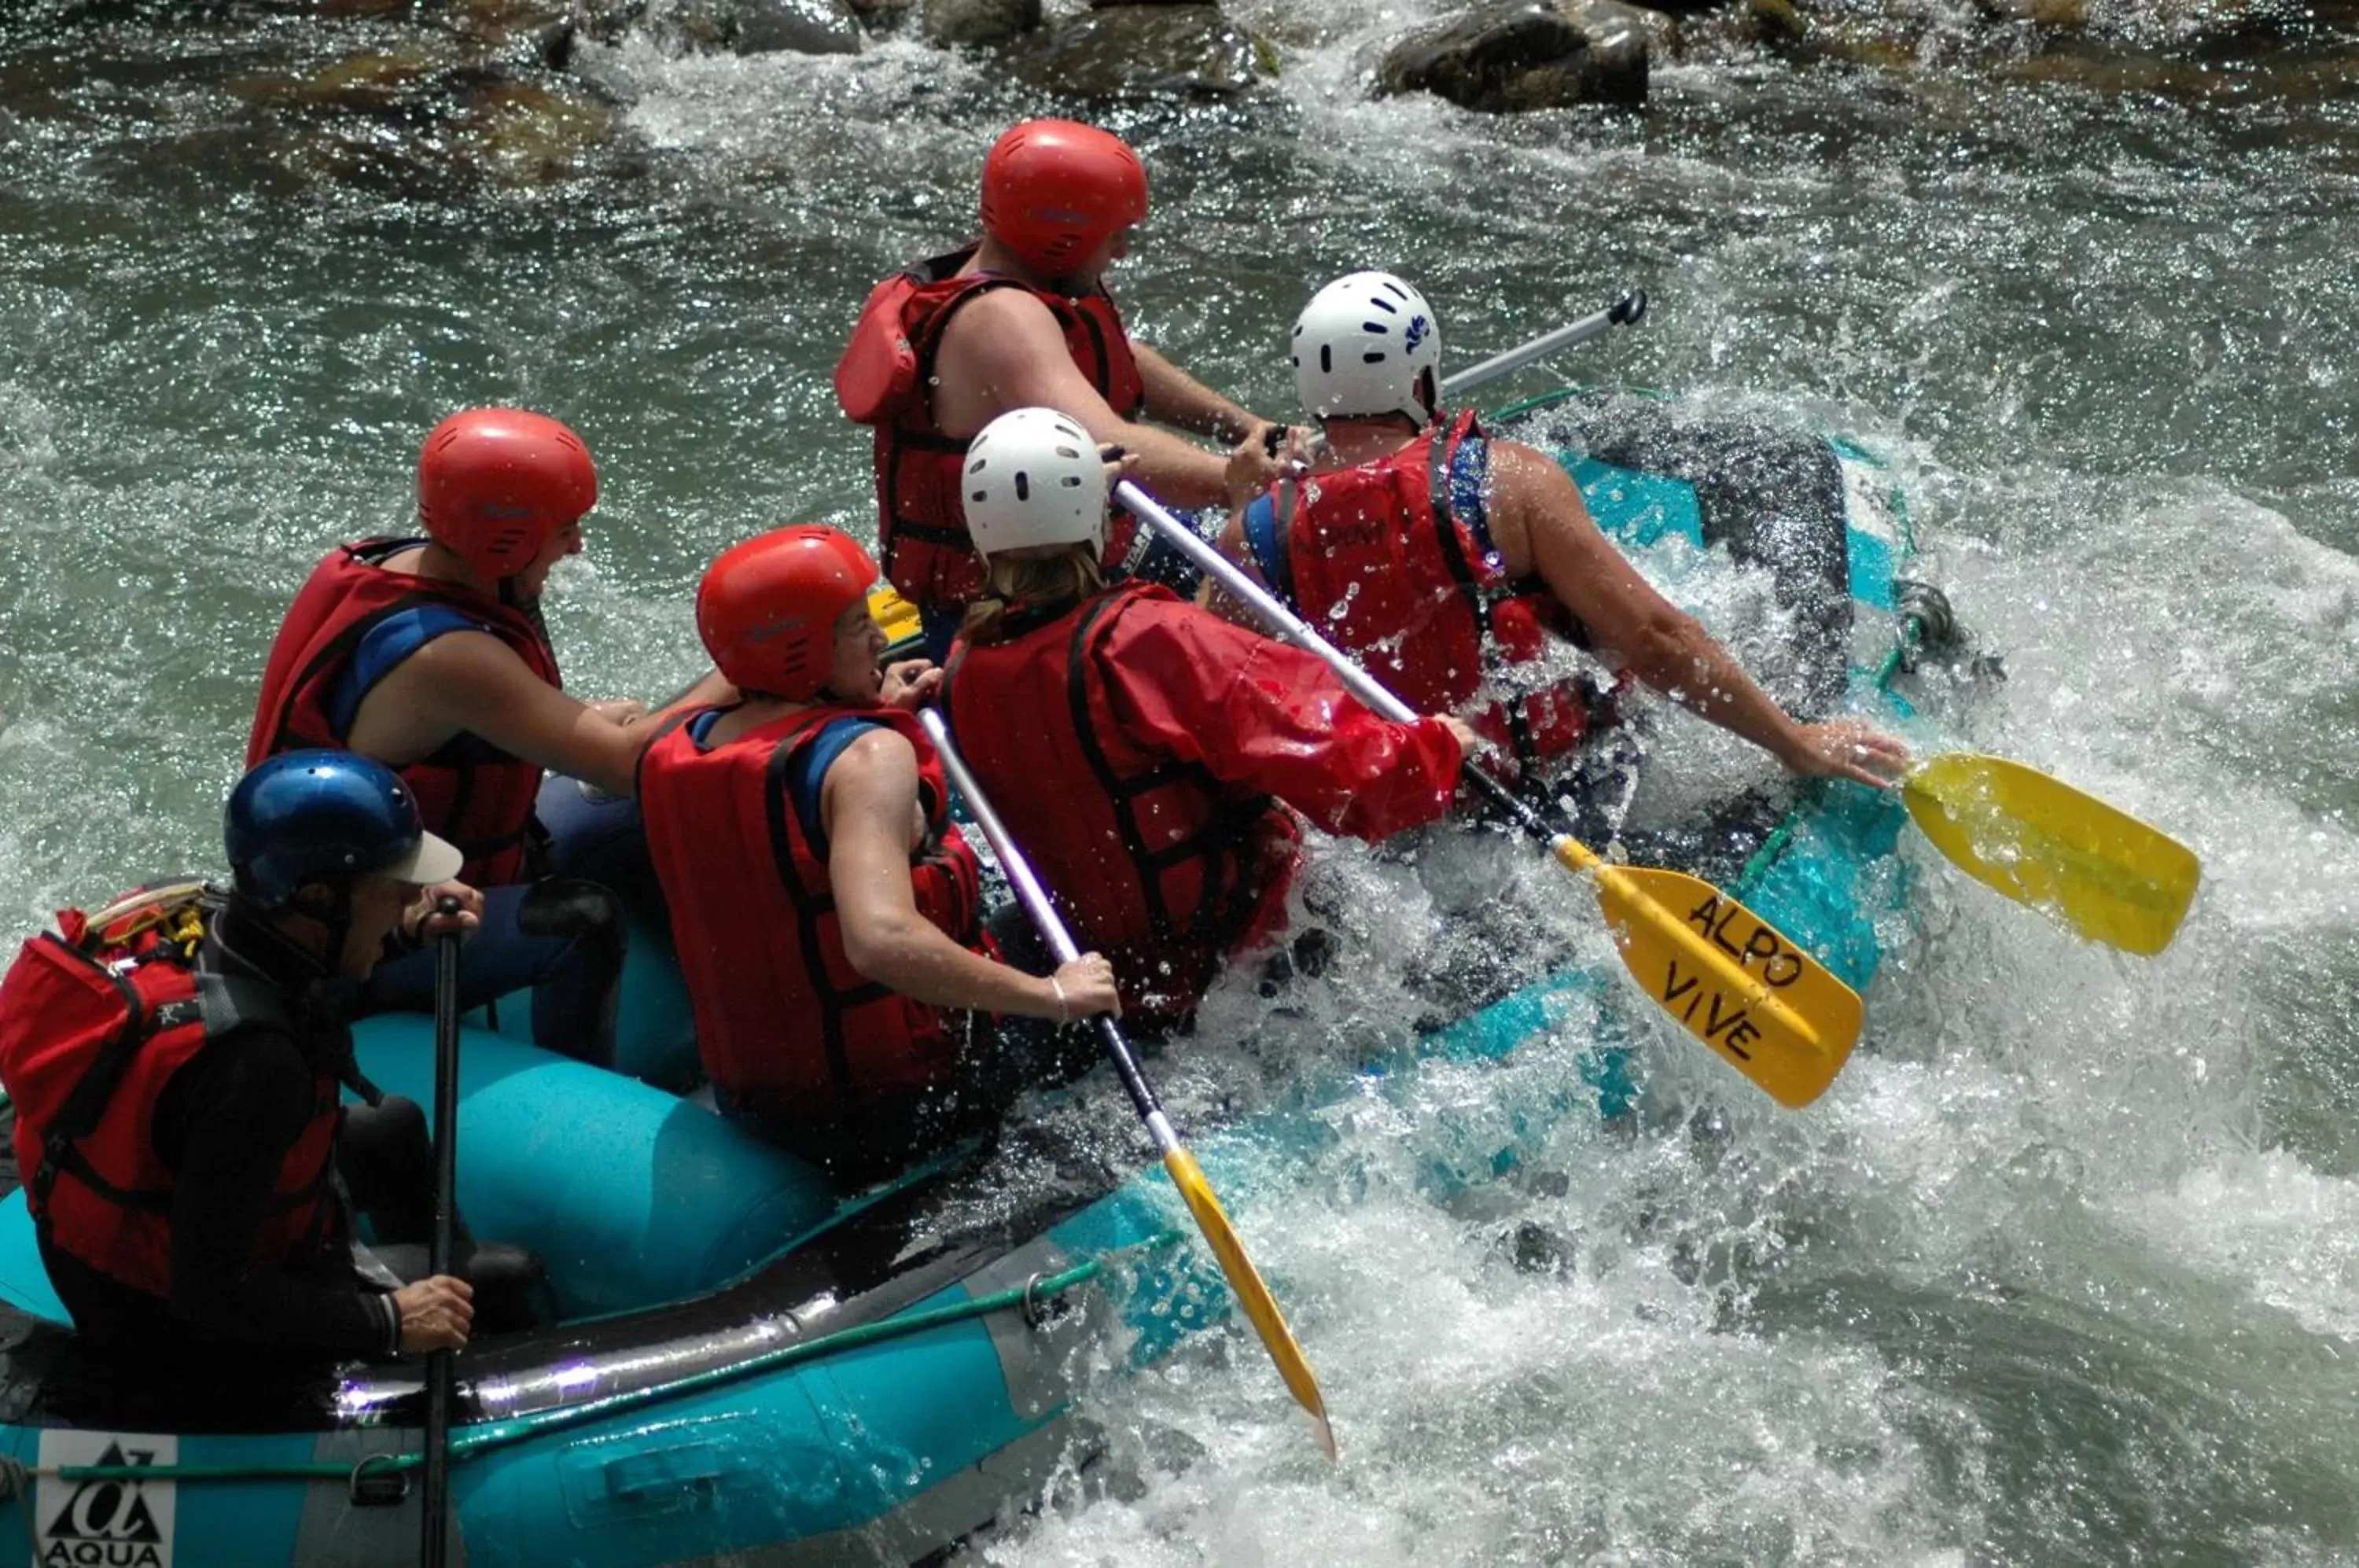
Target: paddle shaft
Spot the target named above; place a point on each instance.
(1051, 927)
(1287, 625)
(1253, 1294)
(434, 1487)
(1625, 311)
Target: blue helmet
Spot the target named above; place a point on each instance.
(326, 816)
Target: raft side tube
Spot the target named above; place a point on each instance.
(631, 1197)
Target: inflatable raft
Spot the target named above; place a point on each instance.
(752, 1365)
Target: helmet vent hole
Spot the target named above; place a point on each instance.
(978, 496)
(1376, 327)
(1381, 303)
(1327, 358)
(1023, 485)
(1373, 358)
(1070, 482)
(976, 466)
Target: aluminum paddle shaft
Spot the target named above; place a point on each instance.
(1627, 311)
(434, 1485)
(1244, 1280)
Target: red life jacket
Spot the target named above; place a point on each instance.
(468, 791)
(1381, 562)
(94, 1023)
(884, 379)
(787, 1027)
(1153, 862)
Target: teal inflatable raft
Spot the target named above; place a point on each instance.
(751, 1366)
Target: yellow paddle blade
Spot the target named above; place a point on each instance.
(1260, 1306)
(905, 633)
(1728, 978)
(2040, 842)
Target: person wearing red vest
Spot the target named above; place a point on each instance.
(174, 1062)
(429, 655)
(1022, 317)
(1149, 756)
(825, 909)
(1463, 570)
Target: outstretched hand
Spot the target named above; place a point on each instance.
(1849, 748)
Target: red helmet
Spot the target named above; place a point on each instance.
(767, 608)
(1054, 191)
(494, 484)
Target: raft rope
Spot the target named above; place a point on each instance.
(1027, 1298)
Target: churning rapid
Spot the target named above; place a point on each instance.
(2064, 1269)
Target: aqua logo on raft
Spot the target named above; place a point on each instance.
(104, 1522)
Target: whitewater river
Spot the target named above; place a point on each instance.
(2065, 1269)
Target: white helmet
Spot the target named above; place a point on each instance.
(1361, 347)
(1033, 477)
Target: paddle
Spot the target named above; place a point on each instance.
(1260, 1306)
(434, 1488)
(2040, 842)
(1730, 979)
(1627, 311)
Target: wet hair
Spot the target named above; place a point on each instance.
(1050, 576)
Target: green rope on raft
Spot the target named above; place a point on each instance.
(467, 1443)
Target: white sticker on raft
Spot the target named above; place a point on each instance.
(1868, 500)
(104, 1524)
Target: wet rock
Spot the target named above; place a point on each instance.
(605, 21)
(1511, 55)
(741, 26)
(374, 81)
(1131, 50)
(979, 21)
(1539, 1249)
(1606, 23)
(522, 134)
(804, 27)
(882, 15)
(2066, 16)
(521, 35)
(1775, 21)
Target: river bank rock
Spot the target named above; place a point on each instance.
(801, 26)
(738, 26)
(1129, 48)
(882, 15)
(979, 21)
(1511, 55)
(522, 134)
